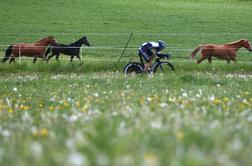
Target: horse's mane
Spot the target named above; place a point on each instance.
(235, 42)
(43, 39)
(75, 42)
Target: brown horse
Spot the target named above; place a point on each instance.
(227, 51)
(36, 50)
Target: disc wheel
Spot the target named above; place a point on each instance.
(133, 68)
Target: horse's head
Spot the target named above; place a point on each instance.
(85, 41)
(52, 40)
(247, 45)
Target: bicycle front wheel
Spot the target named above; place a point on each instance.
(163, 67)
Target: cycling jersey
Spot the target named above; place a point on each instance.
(145, 50)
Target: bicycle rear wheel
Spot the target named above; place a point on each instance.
(133, 68)
(163, 67)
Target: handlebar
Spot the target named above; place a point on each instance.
(160, 56)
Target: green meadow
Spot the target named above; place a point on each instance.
(90, 113)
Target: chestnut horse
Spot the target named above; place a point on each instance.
(227, 51)
(36, 50)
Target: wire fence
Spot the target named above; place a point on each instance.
(108, 45)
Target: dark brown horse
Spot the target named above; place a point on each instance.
(227, 51)
(36, 50)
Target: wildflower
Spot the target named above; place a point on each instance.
(15, 89)
(96, 94)
(51, 108)
(77, 103)
(5, 133)
(65, 104)
(150, 159)
(163, 105)
(149, 99)
(217, 101)
(77, 159)
(224, 107)
(40, 132)
(10, 110)
(156, 124)
(225, 99)
(36, 149)
(180, 135)
(41, 105)
(24, 108)
(85, 108)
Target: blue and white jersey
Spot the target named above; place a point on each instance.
(148, 46)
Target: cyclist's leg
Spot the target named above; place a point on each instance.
(148, 59)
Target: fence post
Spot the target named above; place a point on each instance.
(125, 47)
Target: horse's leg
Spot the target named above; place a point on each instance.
(233, 59)
(209, 59)
(78, 56)
(12, 60)
(57, 57)
(49, 57)
(228, 60)
(71, 60)
(34, 60)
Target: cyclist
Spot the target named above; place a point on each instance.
(149, 50)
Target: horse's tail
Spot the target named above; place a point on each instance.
(195, 51)
(7, 53)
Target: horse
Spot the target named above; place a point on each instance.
(72, 49)
(226, 51)
(36, 50)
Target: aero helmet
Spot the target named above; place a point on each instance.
(161, 44)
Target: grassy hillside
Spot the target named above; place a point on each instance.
(184, 24)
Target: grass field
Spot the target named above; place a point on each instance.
(92, 114)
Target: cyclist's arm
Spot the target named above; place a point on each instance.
(154, 52)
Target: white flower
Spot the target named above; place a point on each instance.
(15, 89)
(163, 105)
(77, 159)
(73, 118)
(36, 149)
(156, 124)
(96, 94)
(6, 133)
(184, 94)
(237, 145)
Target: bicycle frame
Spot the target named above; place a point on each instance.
(157, 62)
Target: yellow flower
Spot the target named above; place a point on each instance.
(41, 105)
(85, 108)
(65, 104)
(40, 132)
(217, 101)
(224, 107)
(10, 110)
(44, 132)
(24, 108)
(77, 103)
(180, 135)
(225, 99)
(150, 158)
(51, 108)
